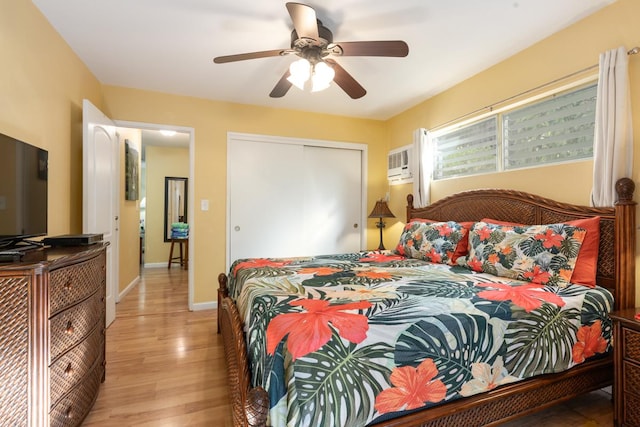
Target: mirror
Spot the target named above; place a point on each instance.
(175, 203)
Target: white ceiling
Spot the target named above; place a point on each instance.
(168, 45)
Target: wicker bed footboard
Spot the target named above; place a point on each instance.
(249, 406)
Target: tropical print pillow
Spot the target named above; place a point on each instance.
(431, 241)
(543, 254)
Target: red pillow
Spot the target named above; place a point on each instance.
(584, 272)
(462, 248)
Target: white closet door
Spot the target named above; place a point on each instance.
(264, 181)
(292, 199)
(332, 200)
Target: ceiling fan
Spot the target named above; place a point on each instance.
(313, 43)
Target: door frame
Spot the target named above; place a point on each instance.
(93, 117)
(190, 191)
(363, 148)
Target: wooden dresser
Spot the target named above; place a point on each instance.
(626, 384)
(52, 336)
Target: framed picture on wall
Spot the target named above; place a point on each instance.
(132, 171)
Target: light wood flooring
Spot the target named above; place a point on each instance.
(165, 366)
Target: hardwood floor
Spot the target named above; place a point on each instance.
(165, 364)
(165, 367)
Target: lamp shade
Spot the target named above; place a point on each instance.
(299, 71)
(381, 210)
(322, 76)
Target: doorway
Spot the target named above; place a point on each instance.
(157, 142)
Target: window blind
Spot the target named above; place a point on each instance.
(555, 130)
(469, 150)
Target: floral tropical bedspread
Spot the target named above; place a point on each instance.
(354, 339)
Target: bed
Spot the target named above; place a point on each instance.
(468, 378)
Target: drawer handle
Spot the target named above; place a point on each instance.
(69, 329)
(69, 370)
(67, 413)
(68, 285)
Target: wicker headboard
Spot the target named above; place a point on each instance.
(616, 258)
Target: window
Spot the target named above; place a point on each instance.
(557, 129)
(469, 150)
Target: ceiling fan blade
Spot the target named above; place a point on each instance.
(282, 87)
(251, 55)
(346, 81)
(304, 20)
(396, 48)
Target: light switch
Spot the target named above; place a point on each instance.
(204, 205)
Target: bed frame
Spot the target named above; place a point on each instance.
(616, 271)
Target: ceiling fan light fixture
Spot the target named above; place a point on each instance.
(322, 76)
(299, 71)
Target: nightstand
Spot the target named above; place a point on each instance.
(626, 382)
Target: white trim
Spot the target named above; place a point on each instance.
(211, 305)
(363, 148)
(128, 289)
(155, 265)
(191, 208)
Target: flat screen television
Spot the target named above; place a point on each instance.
(23, 191)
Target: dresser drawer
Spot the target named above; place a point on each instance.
(631, 410)
(68, 285)
(72, 325)
(631, 340)
(75, 364)
(75, 405)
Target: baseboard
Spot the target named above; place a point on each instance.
(210, 305)
(126, 290)
(155, 265)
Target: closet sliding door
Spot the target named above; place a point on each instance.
(292, 198)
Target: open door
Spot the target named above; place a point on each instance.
(101, 190)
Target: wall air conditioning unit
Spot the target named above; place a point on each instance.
(400, 165)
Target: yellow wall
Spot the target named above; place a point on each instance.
(161, 162)
(42, 84)
(129, 236)
(211, 120)
(564, 53)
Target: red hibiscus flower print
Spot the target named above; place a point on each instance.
(590, 342)
(444, 229)
(433, 256)
(475, 264)
(319, 271)
(412, 388)
(309, 330)
(375, 274)
(538, 275)
(550, 239)
(259, 262)
(484, 233)
(529, 296)
(378, 257)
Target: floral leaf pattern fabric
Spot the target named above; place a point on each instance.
(431, 241)
(538, 253)
(355, 339)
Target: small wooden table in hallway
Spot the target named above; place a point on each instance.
(183, 258)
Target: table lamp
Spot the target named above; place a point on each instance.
(381, 210)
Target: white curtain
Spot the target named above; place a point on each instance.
(423, 168)
(613, 142)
